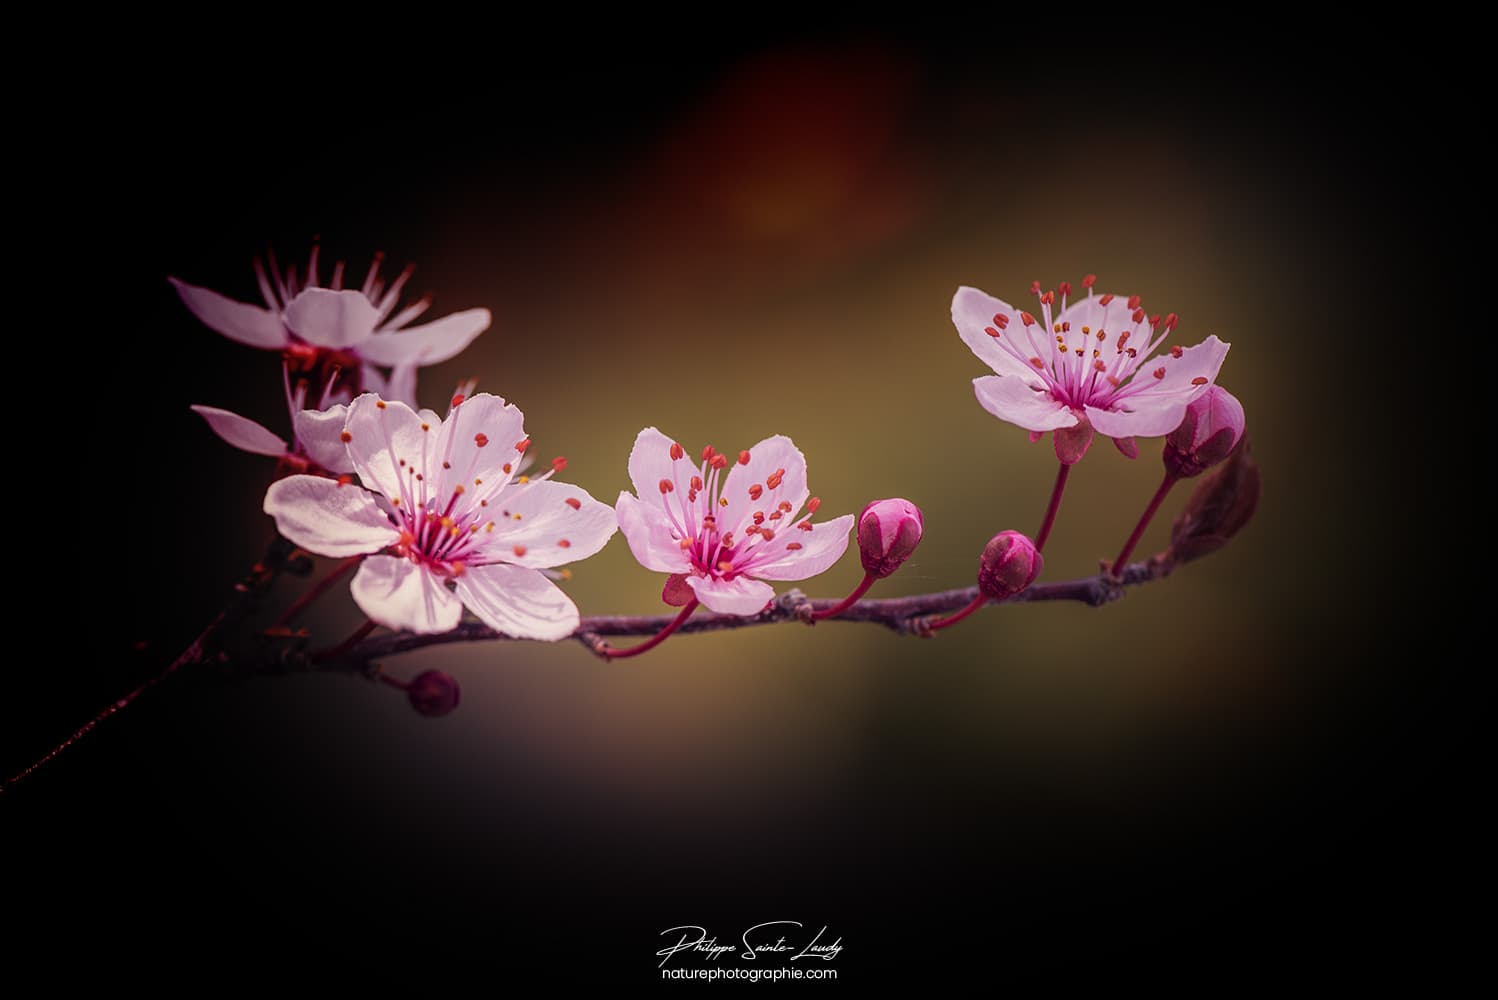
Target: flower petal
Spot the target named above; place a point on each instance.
(771, 455)
(477, 440)
(822, 546)
(399, 594)
(402, 384)
(647, 530)
(388, 449)
(429, 343)
(518, 601)
(320, 433)
(242, 432)
(328, 518)
(739, 596)
(325, 318)
(972, 313)
(546, 520)
(253, 325)
(1112, 319)
(1159, 408)
(650, 462)
(1012, 399)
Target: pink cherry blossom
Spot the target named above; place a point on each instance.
(1092, 363)
(728, 524)
(316, 441)
(330, 329)
(444, 504)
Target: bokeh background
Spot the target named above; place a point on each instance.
(730, 243)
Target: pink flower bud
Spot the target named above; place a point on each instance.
(433, 693)
(888, 532)
(1212, 426)
(1010, 563)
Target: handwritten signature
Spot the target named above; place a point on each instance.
(768, 938)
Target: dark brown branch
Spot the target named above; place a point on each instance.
(906, 615)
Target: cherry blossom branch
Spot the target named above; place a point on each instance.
(906, 615)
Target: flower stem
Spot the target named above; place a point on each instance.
(1053, 508)
(317, 590)
(655, 640)
(1144, 520)
(360, 634)
(977, 602)
(847, 602)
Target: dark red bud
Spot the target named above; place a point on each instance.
(433, 693)
(1010, 563)
(1222, 503)
(1211, 428)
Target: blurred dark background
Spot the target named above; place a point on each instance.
(1258, 756)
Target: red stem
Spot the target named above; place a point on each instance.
(977, 603)
(847, 602)
(317, 590)
(1144, 520)
(1053, 508)
(619, 654)
(360, 634)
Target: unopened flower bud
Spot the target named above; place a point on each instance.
(433, 693)
(888, 532)
(1010, 563)
(1211, 428)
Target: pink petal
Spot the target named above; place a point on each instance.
(740, 596)
(381, 436)
(253, 325)
(371, 380)
(650, 537)
(650, 462)
(1158, 409)
(399, 594)
(320, 433)
(1010, 398)
(478, 440)
(766, 458)
(1113, 319)
(429, 343)
(973, 312)
(241, 432)
(402, 384)
(328, 518)
(822, 546)
(546, 521)
(1150, 417)
(519, 602)
(325, 318)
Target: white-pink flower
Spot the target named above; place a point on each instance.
(727, 532)
(445, 505)
(315, 432)
(1095, 359)
(330, 328)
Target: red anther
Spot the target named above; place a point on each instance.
(1039, 363)
(774, 479)
(1155, 320)
(1105, 299)
(458, 490)
(520, 446)
(1138, 316)
(1098, 366)
(1034, 288)
(696, 483)
(345, 436)
(990, 331)
(666, 486)
(708, 452)
(793, 546)
(562, 543)
(1134, 302)
(481, 440)
(756, 491)
(457, 400)
(784, 506)
(1048, 298)
(1000, 320)
(1113, 381)
(1066, 327)
(519, 550)
(1199, 380)
(1176, 351)
(776, 515)
(1132, 352)
(709, 523)
(1159, 372)
(426, 427)
(804, 525)
(677, 451)
(1102, 335)
(691, 496)
(768, 534)
(728, 540)
(1064, 288)
(753, 529)
(1027, 319)
(508, 468)
(718, 461)
(813, 505)
(1171, 320)
(1088, 280)
(743, 458)
(379, 404)
(759, 517)
(574, 503)
(559, 463)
